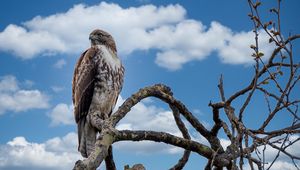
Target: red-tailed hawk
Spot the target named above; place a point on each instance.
(97, 82)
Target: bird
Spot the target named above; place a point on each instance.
(96, 85)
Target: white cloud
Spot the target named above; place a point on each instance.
(12, 98)
(8, 83)
(60, 63)
(62, 33)
(147, 117)
(55, 154)
(237, 48)
(189, 41)
(27, 43)
(176, 39)
(62, 114)
(67, 143)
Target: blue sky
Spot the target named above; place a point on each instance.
(186, 45)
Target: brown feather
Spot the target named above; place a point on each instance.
(83, 83)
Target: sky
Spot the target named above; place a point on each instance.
(184, 44)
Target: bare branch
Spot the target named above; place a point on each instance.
(185, 157)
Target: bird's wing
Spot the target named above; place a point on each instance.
(83, 83)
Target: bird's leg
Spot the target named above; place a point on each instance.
(95, 120)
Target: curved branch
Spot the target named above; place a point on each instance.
(163, 93)
(167, 138)
(109, 136)
(137, 97)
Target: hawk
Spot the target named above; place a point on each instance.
(97, 82)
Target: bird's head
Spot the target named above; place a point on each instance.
(100, 37)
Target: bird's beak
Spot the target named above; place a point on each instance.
(92, 37)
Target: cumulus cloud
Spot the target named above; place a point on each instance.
(28, 43)
(175, 38)
(67, 143)
(62, 33)
(8, 83)
(191, 41)
(58, 153)
(145, 116)
(148, 117)
(12, 98)
(236, 48)
(62, 114)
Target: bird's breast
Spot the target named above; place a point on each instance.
(110, 73)
(109, 57)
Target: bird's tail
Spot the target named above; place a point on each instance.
(86, 137)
